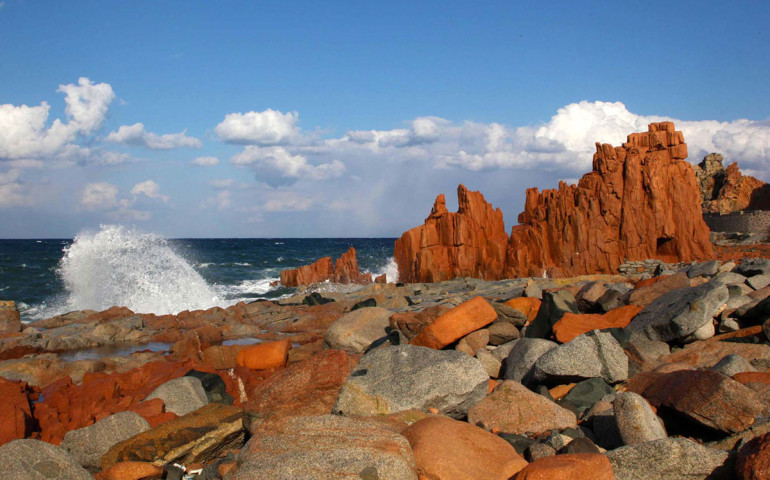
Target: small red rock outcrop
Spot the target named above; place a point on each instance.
(344, 270)
(468, 243)
(725, 190)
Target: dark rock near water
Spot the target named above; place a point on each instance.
(315, 298)
(216, 390)
(368, 303)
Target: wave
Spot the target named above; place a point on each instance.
(390, 269)
(122, 266)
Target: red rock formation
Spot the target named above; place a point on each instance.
(468, 243)
(344, 270)
(725, 190)
(16, 415)
(640, 201)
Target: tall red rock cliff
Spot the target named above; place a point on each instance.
(468, 243)
(344, 270)
(640, 201)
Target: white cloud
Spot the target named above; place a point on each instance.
(136, 135)
(287, 201)
(222, 200)
(149, 189)
(24, 134)
(277, 167)
(222, 183)
(12, 192)
(269, 127)
(205, 162)
(99, 196)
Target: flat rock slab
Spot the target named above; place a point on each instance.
(326, 447)
(593, 354)
(406, 377)
(35, 460)
(197, 437)
(707, 354)
(181, 395)
(676, 315)
(451, 449)
(672, 458)
(87, 445)
(355, 331)
(513, 408)
(706, 398)
(465, 318)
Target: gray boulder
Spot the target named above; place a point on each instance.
(731, 364)
(405, 377)
(674, 316)
(759, 281)
(753, 266)
(88, 444)
(355, 331)
(636, 421)
(35, 460)
(508, 314)
(181, 395)
(524, 354)
(672, 458)
(703, 269)
(592, 354)
(554, 306)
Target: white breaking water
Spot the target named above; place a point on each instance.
(124, 267)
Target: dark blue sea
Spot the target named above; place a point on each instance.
(147, 273)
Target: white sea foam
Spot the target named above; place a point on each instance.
(390, 270)
(121, 266)
(252, 287)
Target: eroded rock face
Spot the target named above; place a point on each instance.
(344, 270)
(724, 190)
(468, 243)
(640, 201)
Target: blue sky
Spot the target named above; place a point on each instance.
(348, 118)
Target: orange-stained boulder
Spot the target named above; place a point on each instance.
(465, 318)
(572, 325)
(265, 355)
(222, 357)
(529, 306)
(640, 201)
(447, 449)
(752, 377)
(753, 462)
(725, 190)
(572, 466)
(468, 243)
(10, 319)
(344, 270)
(131, 471)
(15, 415)
(310, 387)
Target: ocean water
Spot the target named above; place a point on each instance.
(147, 273)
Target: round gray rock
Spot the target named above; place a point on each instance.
(35, 460)
(355, 331)
(405, 377)
(676, 315)
(636, 421)
(673, 458)
(181, 395)
(88, 444)
(525, 353)
(595, 354)
(732, 364)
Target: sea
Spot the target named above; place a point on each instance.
(119, 265)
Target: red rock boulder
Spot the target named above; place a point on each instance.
(15, 416)
(468, 243)
(572, 466)
(456, 323)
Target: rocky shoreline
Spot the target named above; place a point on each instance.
(629, 376)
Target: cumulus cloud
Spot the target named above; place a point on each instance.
(136, 135)
(99, 196)
(149, 189)
(276, 166)
(12, 192)
(205, 162)
(269, 127)
(221, 200)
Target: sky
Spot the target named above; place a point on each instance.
(347, 118)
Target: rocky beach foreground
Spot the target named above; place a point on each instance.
(662, 372)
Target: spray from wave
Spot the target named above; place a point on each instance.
(390, 270)
(121, 266)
